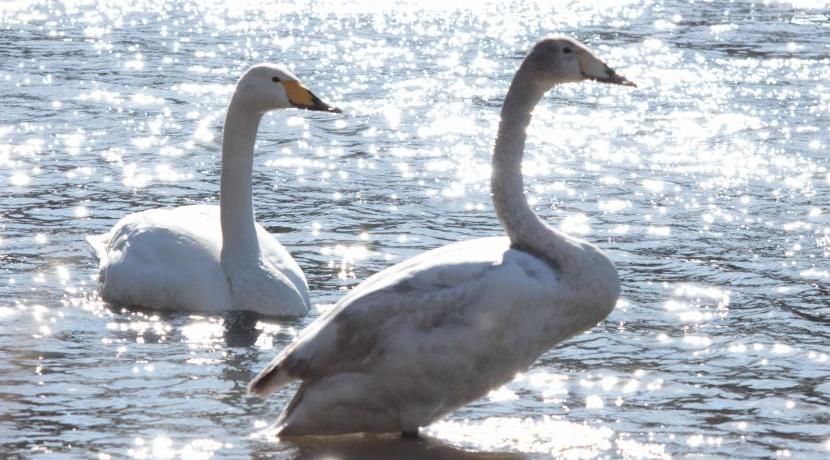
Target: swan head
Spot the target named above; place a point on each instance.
(266, 87)
(560, 59)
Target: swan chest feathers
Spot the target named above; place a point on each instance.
(422, 338)
(171, 259)
(267, 280)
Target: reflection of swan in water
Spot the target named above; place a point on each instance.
(209, 258)
(424, 337)
(240, 328)
(384, 447)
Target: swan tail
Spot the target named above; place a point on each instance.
(98, 245)
(270, 379)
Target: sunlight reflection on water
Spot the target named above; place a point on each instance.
(707, 186)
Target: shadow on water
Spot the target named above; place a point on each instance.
(382, 447)
(240, 328)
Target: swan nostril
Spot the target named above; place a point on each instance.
(610, 71)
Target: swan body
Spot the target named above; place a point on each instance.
(171, 259)
(212, 258)
(426, 336)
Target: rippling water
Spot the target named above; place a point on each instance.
(708, 186)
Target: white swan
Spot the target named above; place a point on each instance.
(213, 258)
(424, 337)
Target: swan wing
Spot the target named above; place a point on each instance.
(167, 259)
(459, 301)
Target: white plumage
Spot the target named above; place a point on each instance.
(424, 337)
(212, 258)
(171, 259)
(417, 340)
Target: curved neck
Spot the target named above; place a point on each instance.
(524, 228)
(235, 206)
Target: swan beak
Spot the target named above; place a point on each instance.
(302, 98)
(596, 70)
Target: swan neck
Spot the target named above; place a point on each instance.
(522, 225)
(235, 202)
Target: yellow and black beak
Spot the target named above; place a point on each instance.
(302, 98)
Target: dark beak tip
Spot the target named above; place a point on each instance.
(620, 80)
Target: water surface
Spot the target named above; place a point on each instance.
(707, 185)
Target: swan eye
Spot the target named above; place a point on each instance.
(275, 79)
(566, 50)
